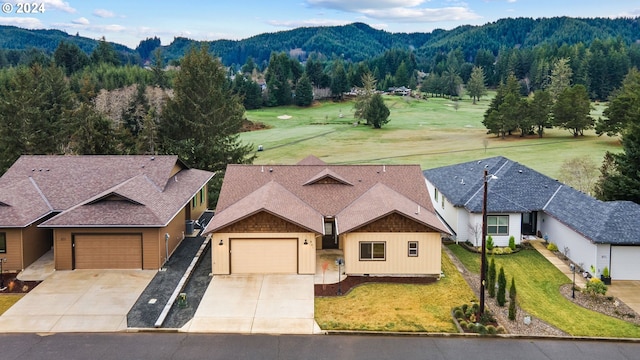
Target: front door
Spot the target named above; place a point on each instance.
(529, 221)
(329, 240)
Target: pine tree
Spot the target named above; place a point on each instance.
(502, 288)
(363, 99)
(201, 122)
(491, 279)
(560, 78)
(377, 114)
(572, 110)
(304, 91)
(476, 87)
(623, 108)
(339, 83)
(620, 173)
(512, 300)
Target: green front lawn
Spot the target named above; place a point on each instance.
(7, 301)
(538, 281)
(397, 307)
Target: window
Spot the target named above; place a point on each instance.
(194, 202)
(498, 225)
(201, 195)
(443, 202)
(372, 250)
(435, 194)
(3, 243)
(413, 248)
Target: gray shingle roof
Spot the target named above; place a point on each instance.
(521, 189)
(92, 191)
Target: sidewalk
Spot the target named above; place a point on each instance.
(553, 259)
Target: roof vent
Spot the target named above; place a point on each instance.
(270, 170)
(461, 181)
(153, 158)
(486, 166)
(520, 171)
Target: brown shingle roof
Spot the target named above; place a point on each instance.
(404, 184)
(79, 187)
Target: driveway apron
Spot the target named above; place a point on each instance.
(257, 304)
(78, 301)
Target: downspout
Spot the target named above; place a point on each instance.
(166, 246)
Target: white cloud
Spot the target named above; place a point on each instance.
(103, 13)
(79, 25)
(398, 10)
(23, 22)
(81, 21)
(511, 1)
(307, 23)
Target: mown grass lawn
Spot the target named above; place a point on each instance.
(397, 307)
(7, 301)
(538, 283)
(430, 132)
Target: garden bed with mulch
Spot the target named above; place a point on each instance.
(15, 286)
(352, 281)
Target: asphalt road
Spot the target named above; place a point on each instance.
(159, 346)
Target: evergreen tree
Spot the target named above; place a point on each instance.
(572, 110)
(277, 77)
(248, 66)
(476, 85)
(104, 53)
(377, 113)
(491, 278)
(339, 83)
(512, 300)
(540, 111)
(92, 133)
(70, 57)
(402, 75)
(620, 173)
(623, 108)
(364, 96)
(159, 77)
(504, 110)
(560, 78)
(304, 91)
(502, 288)
(201, 122)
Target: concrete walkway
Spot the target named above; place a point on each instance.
(327, 258)
(39, 269)
(256, 304)
(561, 265)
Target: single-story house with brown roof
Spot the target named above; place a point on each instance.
(273, 218)
(112, 212)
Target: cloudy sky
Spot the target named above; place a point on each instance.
(128, 22)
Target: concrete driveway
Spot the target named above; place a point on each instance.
(78, 301)
(627, 291)
(257, 304)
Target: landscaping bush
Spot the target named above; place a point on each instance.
(491, 330)
(502, 287)
(512, 243)
(489, 244)
(491, 279)
(497, 251)
(481, 329)
(463, 324)
(512, 300)
(501, 330)
(595, 287)
(464, 307)
(458, 313)
(552, 247)
(507, 250)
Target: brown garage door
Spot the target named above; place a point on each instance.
(264, 256)
(108, 251)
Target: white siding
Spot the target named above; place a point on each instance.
(515, 229)
(451, 215)
(580, 250)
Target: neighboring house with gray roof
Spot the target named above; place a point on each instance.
(96, 212)
(273, 218)
(522, 202)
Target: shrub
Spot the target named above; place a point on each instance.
(489, 243)
(501, 330)
(475, 307)
(552, 247)
(491, 330)
(481, 329)
(491, 279)
(595, 287)
(464, 307)
(507, 250)
(463, 324)
(458, 314)
(487, 317)
(512, 300)
(497, 251)
(605, 272)
(502, 288)
(512, 243)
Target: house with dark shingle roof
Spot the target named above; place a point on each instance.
(522, 202)
(273, 218)
(126, 212)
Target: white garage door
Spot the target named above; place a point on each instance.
(264, 256)
(624, 262)
(113, 251)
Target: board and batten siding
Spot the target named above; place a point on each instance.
(397, 260)
(14, 250)
(220, 254)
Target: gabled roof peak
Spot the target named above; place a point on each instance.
(328, 176)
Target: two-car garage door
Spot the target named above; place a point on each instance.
(107, 251)
(264, 256)
(624, 262)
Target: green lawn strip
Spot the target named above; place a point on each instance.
(537, 282)
(7, 301)
(396, 307)
(431, 133)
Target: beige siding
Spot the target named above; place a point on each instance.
(110, 251)
(14, 250)
(175, 229)
(201, 203)
(264, 256)
(36, 242)
(221, 256)
(397, 261)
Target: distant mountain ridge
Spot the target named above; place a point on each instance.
(358, 41)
